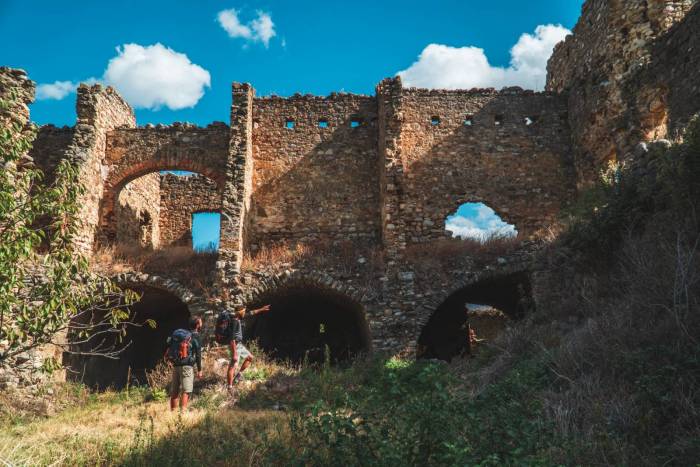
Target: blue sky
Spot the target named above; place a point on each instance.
(175, 60)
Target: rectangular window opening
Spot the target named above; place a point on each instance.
(435, 120)
(323, 123)
(206, 231)
(355, 122)
(498, 120)
(289, 124)
(468, 120)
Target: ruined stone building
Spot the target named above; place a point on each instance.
(363, 184)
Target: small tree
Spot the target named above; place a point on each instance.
(48, 295)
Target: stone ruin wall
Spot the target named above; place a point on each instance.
(137, 213)
(132, 153)
(314, 184)
(476, 146)
(618, 68)
(180, 198)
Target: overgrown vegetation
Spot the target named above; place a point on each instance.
(46, 288)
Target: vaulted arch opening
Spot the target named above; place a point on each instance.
(304, 320)
(499, 299)
(155, 210)
(140, 350)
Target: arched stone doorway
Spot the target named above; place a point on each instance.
(444, 335)
(304, 319)
(142, 347)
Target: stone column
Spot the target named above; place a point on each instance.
(237, 189)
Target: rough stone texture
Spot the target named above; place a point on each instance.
(138, 212)
(180, 198)
(314, 183)
(363, 199)
(50, 146)
(132, 153)
(99, 111)
(617, 69)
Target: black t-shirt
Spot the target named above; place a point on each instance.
(236, 329)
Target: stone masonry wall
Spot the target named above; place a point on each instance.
(599, 68)
(138, 212)
(99, 111)
(51, 146)
(507, 149)
(317, 181)
(132, 153)
(180, 198)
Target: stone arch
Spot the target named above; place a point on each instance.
(162, 300)
(441, 332)
(121, 175)
(309, 312)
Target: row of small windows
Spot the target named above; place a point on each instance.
(497, 120)
(290, 124)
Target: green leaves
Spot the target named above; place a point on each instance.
(47, 291)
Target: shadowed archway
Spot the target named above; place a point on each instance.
(305, 319)
(444, 336)
(142, 347)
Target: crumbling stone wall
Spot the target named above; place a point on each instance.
(132, 153)
(180, 198)
(138, 212)
(508, 149)
(51, 146)
(600, 67)
(315, 175)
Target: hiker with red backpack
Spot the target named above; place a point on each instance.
(184, 352)
(229, 332)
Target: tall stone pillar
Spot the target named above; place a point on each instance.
(237, 190)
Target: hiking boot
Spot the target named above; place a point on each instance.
(238, 378)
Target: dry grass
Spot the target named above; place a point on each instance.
(279, 254)
(453, 250)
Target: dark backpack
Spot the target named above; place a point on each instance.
(180, 350)
(223, 332)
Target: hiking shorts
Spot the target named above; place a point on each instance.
(243, 353)
(183, 379)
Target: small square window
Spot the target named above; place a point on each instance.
(323, 123)
(355, 123)
(498, 120)
(468, 120)
(435, 120)
(289, 124)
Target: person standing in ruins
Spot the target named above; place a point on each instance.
(185, 353)
(229, 332)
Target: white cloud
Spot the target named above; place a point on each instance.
(483, 223)
(155, 76)
(56, 90)
(149, 77)
(443, 66)
(260, 29)
(228, 19)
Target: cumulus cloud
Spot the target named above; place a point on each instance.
(260, 29)
(443, 66)
(155, 76)
(56, 90)
(150, 77)
(479, 224)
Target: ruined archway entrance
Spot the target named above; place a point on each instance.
(143, 346)
(444, 335)
(304, 320)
